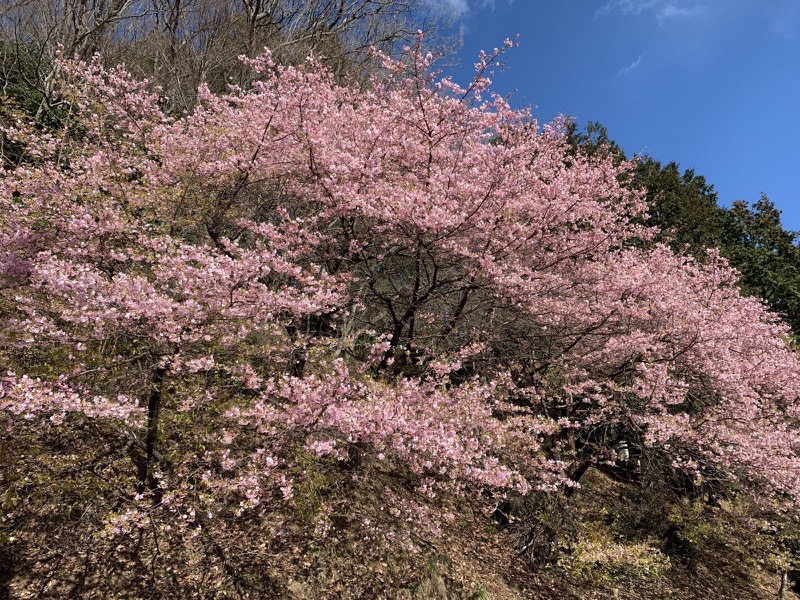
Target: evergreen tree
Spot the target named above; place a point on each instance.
(685, 208)
(766, 255)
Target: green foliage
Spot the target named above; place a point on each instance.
(314, 484)
(785, 551)
(598, 559)
(638, 514)
(766, 255)
(690, 531)
(683, 205)
(593, 140)
(433, 585)
(11, 151)
(20, 75)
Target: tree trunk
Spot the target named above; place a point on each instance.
(147, 478)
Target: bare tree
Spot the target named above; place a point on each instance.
(36, 30)
(181, 43)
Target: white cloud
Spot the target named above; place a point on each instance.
(628, 7)
(454, 7)
(634, 65)
(670, 10)
(662, 9)
(460, 8)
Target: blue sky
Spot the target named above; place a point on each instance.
(711, 84)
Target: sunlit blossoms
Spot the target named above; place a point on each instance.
(209, 310)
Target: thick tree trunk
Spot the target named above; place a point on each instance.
(147, 478)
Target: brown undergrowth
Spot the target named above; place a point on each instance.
(366, 533)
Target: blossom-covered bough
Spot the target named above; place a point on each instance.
(200, 313)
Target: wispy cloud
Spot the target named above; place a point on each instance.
(634, 65)
(627, 7)
(453, 7)
(670, 11)
(461, 8)
(662, 9)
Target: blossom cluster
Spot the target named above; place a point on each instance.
(303, 268)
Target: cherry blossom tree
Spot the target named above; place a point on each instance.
(201, 314)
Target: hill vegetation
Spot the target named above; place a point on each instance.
(314, 335)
